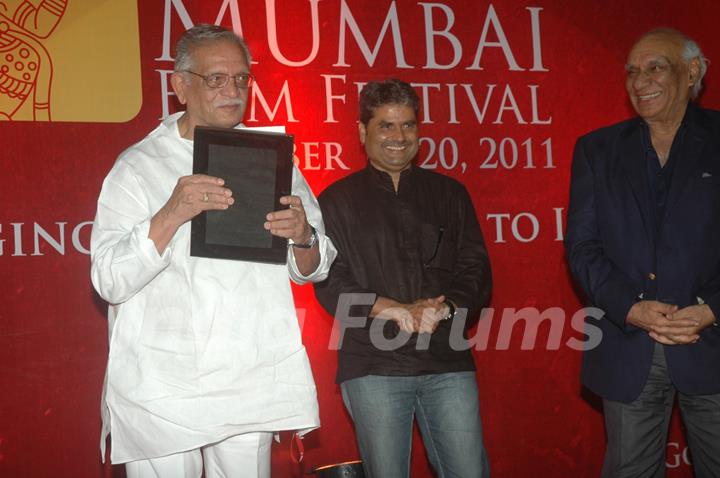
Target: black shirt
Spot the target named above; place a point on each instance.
(659, 180)
(659, 177)
(420, 242)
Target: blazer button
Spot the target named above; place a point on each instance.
(652, 276)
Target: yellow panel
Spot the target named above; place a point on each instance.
(69, 60)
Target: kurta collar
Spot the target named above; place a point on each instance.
(383, 179)
(171, 123)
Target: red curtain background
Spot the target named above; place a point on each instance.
(509, 85)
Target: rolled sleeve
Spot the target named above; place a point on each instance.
(327, 256)
(123, 258)
(327, 249)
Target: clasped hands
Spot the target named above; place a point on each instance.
(668, 324)
(421, 316)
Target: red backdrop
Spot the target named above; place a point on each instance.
(508, 87)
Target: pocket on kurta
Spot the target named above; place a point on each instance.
(439, 249)
(293, 369)
(166, 344)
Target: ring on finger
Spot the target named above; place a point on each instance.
(205, 197)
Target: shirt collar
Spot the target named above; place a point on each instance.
(687, 119)
(383, 179)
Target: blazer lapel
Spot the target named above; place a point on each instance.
(689, 155)
(632, 158)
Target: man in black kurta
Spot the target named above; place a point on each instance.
(412, 273)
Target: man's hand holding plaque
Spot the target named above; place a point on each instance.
(191, 196)
(291, 223)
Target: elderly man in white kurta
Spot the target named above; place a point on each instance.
(206, 359)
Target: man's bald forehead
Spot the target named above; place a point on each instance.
(663, 34)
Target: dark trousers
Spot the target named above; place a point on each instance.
(637, 431)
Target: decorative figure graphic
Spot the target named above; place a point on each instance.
(25, 65)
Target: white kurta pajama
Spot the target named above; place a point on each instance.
(200, 349)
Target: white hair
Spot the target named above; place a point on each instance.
(203, 34)
(690, 52)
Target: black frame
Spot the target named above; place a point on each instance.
(278, 144)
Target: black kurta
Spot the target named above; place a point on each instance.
(420, 242)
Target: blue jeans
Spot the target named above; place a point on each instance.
(448, 413)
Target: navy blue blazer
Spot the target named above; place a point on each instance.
(615, 256)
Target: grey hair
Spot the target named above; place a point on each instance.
(203, 34)
(690, 52)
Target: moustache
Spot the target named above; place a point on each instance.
(228, 102)
(396, 143)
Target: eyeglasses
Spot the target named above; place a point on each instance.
(219, 80)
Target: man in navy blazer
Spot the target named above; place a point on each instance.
(643, 242)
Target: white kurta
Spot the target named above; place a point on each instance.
(200, 349)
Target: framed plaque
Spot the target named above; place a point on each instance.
(257, 167)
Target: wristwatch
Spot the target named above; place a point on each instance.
(451, 310)
(700, 301)
(313, 240)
